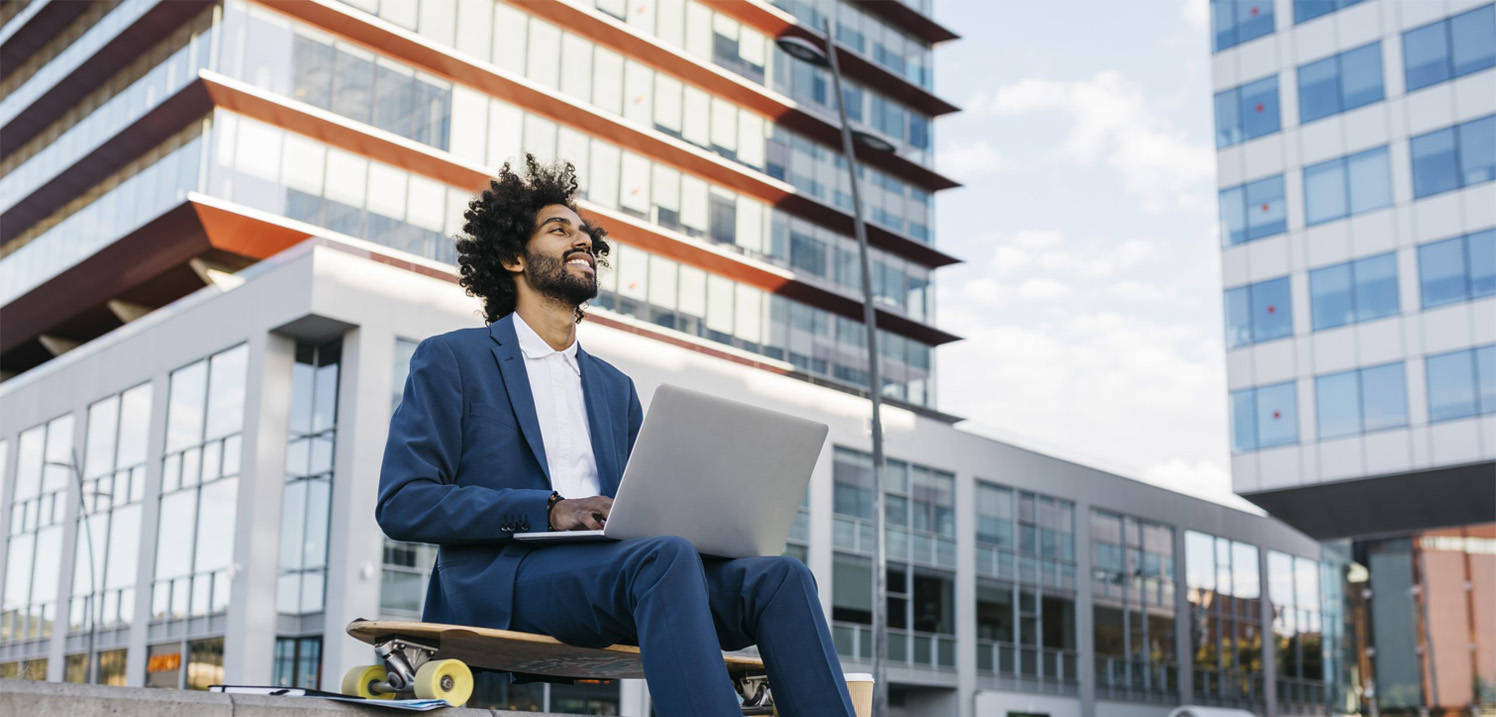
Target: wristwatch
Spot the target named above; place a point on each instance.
(550, 505)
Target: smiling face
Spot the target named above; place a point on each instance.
(558, 260)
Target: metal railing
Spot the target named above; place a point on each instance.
(905, 647)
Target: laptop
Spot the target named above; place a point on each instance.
(724, 475)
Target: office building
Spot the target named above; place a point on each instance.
(1357, 147)
(226, 225)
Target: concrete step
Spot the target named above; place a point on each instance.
(52, 699)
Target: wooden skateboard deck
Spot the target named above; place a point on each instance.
(509, 651)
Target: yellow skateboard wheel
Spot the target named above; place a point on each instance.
(356, 682)
(449, 680)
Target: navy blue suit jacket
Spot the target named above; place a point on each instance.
(465, 465)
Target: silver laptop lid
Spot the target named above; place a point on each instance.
(725, 475)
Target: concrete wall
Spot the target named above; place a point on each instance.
(49, 699)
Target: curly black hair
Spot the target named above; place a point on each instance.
(498, 226)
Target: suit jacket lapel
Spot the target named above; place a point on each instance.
(517, 384)
(599, 424)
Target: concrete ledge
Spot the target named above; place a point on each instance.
(52, 699)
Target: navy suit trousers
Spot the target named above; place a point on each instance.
(683, 610)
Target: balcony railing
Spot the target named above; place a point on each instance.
(905, 647)
(1228, 688)
(1133, 679)
(857, 535)
(996, 562)
(1049, 665)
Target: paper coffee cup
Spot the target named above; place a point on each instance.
(860, 685)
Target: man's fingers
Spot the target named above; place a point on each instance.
(590, 520)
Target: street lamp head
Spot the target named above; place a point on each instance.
(803, 50)
(872, 141)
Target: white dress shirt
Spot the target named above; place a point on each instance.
(556, 384)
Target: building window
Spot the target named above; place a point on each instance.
(406, 566)
(1253, 210)
(1461, 383)
(33, 564)
(1458, 269)
(1134, 611)
(306, 499)
(1345, 81)
(1224, 589)
(200, 487)
(1258, 312)
(1236, 21)
(109, 528)
(1247, 112)
(109, 668)
(1361, 401)
(298, 662)
(1450, 48)
(920, 513)
(1454, 157)
(1347, 186)
(1306, 10)
(1298, 628)
(1355, 291)
(1264, 417)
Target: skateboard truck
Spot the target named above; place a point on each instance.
(757, 699)
(403, 658)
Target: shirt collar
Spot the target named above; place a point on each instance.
(536, 348)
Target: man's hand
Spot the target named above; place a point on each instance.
(581, 513)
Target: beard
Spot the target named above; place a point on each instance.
(548, 275)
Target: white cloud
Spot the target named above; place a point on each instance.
(964, 161)
(1139, 292)
(991, 293)
(1195, 12)
(1113, 124)
(1043, 288)
(1147, 395)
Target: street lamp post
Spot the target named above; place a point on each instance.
(93, 589)
(806, 51)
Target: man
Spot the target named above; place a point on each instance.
(513, 428)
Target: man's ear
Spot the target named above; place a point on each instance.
(514, 264)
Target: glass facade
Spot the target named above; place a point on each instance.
(1454, 157)
(1362, 400)
(1461, 383)
(1247, 112)
(200, 487)
(1457, 269)
(108, 539)
(1347, 186)
(305, 503)
(1301, 651)
(1233, 22)
(1133, 594)
(1306, 10)
(1026, 584)
(1253, 211)
(1355, 291)
(1342, 82)
(1258, 312)
(920, 510)
(1450, 48)
(45, 468)
(1224, 587)
(1264, 417)
(298, 662)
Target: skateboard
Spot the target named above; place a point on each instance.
(434, 661)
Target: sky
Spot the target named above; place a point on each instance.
(1090, 297)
